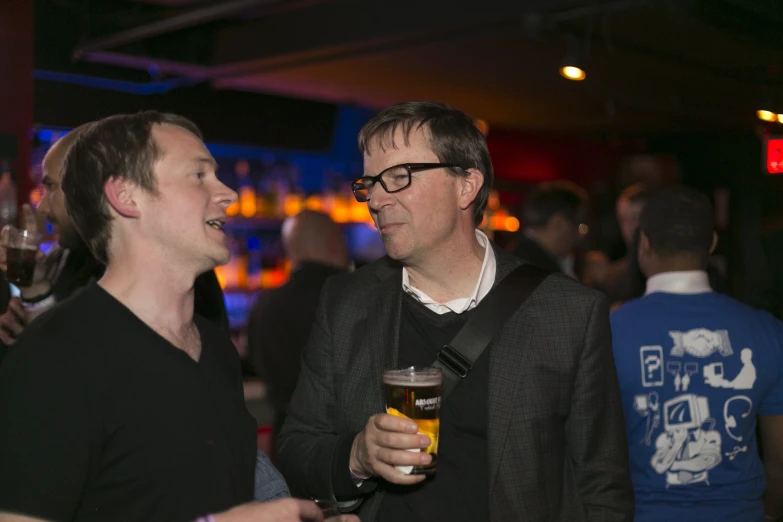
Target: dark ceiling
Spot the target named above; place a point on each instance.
(652, 66)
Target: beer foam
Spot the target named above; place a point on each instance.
(413, 378)
(34, 248)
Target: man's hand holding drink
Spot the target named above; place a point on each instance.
(401, 446)
(385, 443)
(26, 269)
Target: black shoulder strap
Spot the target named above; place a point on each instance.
(456, 359)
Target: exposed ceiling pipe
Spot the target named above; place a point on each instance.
(190, 19)
(599, 8)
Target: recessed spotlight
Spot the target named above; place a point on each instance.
(571, 72)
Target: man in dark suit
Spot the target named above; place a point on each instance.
(535, 430)
(282, 318)
(552, 215)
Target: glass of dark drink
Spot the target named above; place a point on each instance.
(415, 393)
(21, 252)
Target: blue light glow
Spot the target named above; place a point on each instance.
(143, 89)
(253, 243)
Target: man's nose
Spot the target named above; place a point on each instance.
(44, 206)
(378, 197)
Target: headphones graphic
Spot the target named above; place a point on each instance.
(730, 420)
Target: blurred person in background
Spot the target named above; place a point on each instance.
(282, 318)
(552, 215)
(618, 279)
(711, 371)
(625, 279)
(70, 265)
(120, 403)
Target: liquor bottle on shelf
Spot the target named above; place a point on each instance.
(294, 203)
(269, 198)
(7, 195)
(247, 193)
(254, 264)
(227, 274)
(282, 189)
(240, 260)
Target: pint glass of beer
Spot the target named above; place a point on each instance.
(414, 393)
(21, 254)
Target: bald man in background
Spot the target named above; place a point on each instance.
(282, 318)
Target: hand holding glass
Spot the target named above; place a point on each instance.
(415, 393)
(21, 254)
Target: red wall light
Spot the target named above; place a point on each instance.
(774, 156)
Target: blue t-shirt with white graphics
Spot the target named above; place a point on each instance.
(695, 373)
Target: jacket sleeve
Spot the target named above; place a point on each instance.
(595, 428)
(312, 454)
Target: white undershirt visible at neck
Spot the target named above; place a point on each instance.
(688, 282)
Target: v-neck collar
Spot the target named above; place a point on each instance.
(152, 332)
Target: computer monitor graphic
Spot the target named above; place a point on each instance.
(685, 412)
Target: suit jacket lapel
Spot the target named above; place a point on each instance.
(384, 336)
(506, 357)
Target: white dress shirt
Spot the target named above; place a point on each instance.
(483, 285)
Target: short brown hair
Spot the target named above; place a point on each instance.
(117, 146)
(453, 135)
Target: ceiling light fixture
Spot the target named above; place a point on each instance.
(572, 72)
(766, 115)
(572, 66)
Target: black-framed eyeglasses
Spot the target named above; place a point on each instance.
(393, 179)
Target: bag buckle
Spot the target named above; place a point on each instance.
(454, 361)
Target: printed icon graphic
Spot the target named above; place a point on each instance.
(715, 377)
(737, 450)
(674, 368)
(744, 405)
(689, 446)
(651, 359)
(701, 343)
(690, 369)
(648, 406)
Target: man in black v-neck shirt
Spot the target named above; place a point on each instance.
(122, 427)
(119, 404)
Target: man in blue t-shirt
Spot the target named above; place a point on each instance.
(697, 371)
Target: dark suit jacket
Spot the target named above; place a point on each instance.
(556, 434)
(532, 252)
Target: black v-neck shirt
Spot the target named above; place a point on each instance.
(458, 490)
(103, 419)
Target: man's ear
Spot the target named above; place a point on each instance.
(470, 186)
(121, 196)
(714, 241)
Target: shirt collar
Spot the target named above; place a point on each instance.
(689, 282)
(486, 280)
